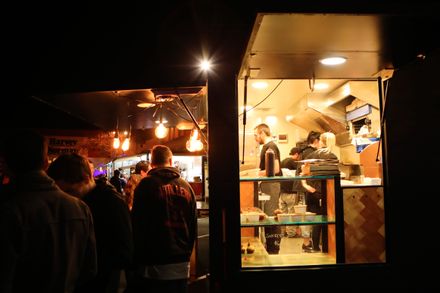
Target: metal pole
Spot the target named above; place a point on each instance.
(244, 115)
(193, 119)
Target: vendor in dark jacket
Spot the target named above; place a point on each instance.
(164, 221)
(111, 217)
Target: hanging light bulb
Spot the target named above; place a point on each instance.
(161, 131)
(194, 144)
(116, 141)
(126, 144)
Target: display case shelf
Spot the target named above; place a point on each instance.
(291, 253)
(271, 221)
(284, 178)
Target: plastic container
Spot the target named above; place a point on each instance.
(283, 218)
(252, 217)
(310, 216)
(297, 217)
(300, 209)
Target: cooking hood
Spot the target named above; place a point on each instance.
(327, 112)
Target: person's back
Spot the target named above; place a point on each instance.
(141, 169)
(110, 215)
(115, 180)
(48, 242)
(113, 227)
(164, 226)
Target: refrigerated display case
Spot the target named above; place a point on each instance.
(290, 253)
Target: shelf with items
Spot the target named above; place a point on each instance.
(245, 178)
(272, 221)
(331, 221)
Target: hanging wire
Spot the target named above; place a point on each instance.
(192, 118)
(264, 99)
(117, 127)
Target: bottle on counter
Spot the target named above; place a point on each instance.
(270, 163)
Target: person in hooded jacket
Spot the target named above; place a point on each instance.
(164, 218)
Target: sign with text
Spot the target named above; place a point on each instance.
(99, 146)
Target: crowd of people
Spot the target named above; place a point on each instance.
(63, 231)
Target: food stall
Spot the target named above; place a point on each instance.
(293, 92)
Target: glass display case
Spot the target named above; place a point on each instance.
(254, 222)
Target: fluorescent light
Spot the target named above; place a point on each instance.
(333, 61)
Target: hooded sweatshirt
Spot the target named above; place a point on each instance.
(164, 218)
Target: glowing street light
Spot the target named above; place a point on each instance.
(205, 65)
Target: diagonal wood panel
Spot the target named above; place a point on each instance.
(364, 225)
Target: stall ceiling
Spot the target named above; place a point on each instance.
(285, 48)
(290, 45)
(113, 109)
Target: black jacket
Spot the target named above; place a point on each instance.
(112, 227)
(47, 238)
(312, 199)
(164, 218)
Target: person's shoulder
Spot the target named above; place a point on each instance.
(306, 152)
(286, 162)
(107, 190)
(134, 179)
(71, 204)
(149, 181)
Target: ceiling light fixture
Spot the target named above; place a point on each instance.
(321, 86)
(259, 84)
(116, 141)
(331, 61)
(145, 105)
(194, 143)
(126, 144)
(161, 131)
